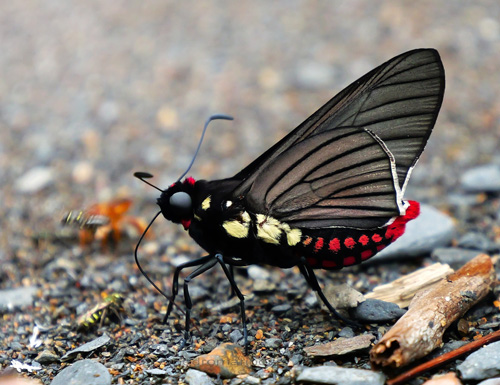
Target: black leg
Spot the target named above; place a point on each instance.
(231, 271)
(240, 296)
(311, 279)
(187, 298)
(175, 281)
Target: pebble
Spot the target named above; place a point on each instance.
(235, 335)
(81, 372)
(431, 229)
(257, 272)
(482, 178)
(195, 377)
(482, 364)
(156, 372)
(376, 310)
(47, 357)
(273, 343)
(87, 348)
(283, 308)
(340, 346)
(491, 381)
(446, 379)
(226, 360)
(335, 375)
(14, 298)
(456, 257)
(34, 180)
(346, 332)
(477, 241)
(342, 296)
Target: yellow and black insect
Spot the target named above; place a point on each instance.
(112, 305)
(85, 220)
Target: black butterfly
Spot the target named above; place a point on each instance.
(329, 194)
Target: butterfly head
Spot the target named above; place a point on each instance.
(176, 202)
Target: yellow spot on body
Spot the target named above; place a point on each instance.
(206, 203)
(197, 218)
(238, 228)
(268, 229)
(293, 236)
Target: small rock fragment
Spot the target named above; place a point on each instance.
(226, 360)
(34, 180)
(376, 310)
(342, 296)
(14, 298)
(87, 348)
(156, 372)
(195, 377)
(83, 372)
(273, 343)
(484, 363)
(446, 379)
(336, 375)
(340, 346)
(431, 229)
(491, 381)
(47, 357)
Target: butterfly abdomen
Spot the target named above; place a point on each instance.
(333, 249)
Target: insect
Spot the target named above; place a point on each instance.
(112, 304)
(327, 195)
(106, 221)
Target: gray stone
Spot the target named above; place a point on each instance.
(195, 377)
(342, 296)
(335, 375)
(482, 178)
(477, 241)
(273, 343)
(491, 381)
(87, 348)
(376, 310)
(235, 335)
(156, 372)
(431, 229)
(84, 372)
(11, 299)
(47, 357)
(484, 363)
(281, 308)
(456, 257)
(34, 180)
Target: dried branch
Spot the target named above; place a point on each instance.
(444, 359)
(402, 290)
(431, 312)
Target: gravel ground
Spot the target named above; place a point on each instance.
(92, 91)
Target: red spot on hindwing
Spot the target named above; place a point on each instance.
(307, 241)
(364, 240)
(318, 245)
(334, 245)
(348, 261)
(312, 261)
(376, 238)
(366, 254)
(349, 243)
(398, 227)
(328, 264)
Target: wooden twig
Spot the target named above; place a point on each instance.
(402, 290)
(444, 359)
(431, 312)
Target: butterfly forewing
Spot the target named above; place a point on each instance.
(316, 171)
(413, 80)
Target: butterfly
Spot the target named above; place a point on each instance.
(327, 195)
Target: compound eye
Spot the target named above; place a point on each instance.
(181, 202)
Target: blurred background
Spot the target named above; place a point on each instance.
(92, 91)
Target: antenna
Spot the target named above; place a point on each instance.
(213, 117)
(146, 175)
